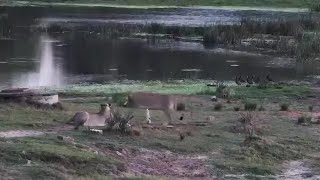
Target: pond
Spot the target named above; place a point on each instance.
(84, 56)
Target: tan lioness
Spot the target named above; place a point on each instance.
(153, 101)
(84, 118)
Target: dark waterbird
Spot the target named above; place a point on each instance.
(249, 79)
(211, 85)
(237, 81)
(241, 79)
(256, 79)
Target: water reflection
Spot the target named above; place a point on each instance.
(85, 59)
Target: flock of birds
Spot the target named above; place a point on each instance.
(250, 80)
(253, 79)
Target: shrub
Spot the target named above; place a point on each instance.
(236, 108)
(304, 119)
(249, 106)
(311, 108)
(284, 107)
(247, 120)
(122, 121)
(218, 107)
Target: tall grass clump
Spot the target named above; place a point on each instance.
(223, 34)
(308, 48)
(315, 7)
(284, 107)
(250, 106)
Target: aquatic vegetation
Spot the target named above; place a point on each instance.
(315, 7)
(308, 47)
(165, 3)
(303, 119)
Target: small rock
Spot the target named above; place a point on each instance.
(213, 98)
(210, 118)
(119, 153)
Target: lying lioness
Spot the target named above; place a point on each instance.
(153, 101)
(84, 118)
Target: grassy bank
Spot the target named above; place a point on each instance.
(249, 3)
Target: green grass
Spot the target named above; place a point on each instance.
(14, 116)
(186, 87)
(250, 3)
(53, 158)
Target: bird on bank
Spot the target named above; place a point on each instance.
(148, 117)
(240, 78)
(256, 79)
(237, 81)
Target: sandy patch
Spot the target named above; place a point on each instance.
(20, 133)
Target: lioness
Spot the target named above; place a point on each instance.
(84, 118)
(153, 101)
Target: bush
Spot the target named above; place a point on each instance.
(218, 107)
(236, 108)
(122, 121)
(284, 107)
(249, 106)
(310, 108)
(304, 119)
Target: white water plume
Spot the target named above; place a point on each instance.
(48, 74)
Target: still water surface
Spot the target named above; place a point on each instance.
(82, 58)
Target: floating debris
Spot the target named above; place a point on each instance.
(191, 70)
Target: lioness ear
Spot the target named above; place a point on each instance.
(109, 104)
